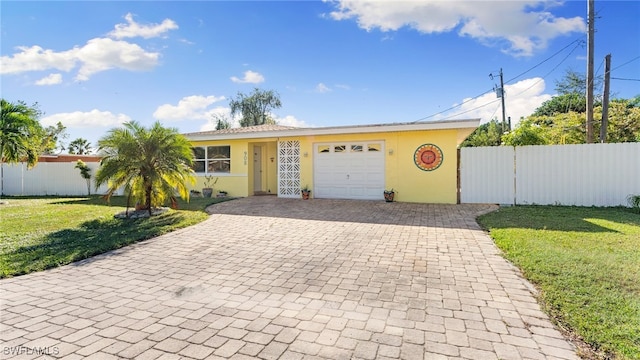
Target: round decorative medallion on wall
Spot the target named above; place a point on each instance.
(428, 157)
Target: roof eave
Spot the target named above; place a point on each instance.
(357, 129)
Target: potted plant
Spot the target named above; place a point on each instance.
(207, 190)
(221, 194)
(306, 192)
(389, 195)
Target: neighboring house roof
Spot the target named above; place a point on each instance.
(267, 131)
(69, 158)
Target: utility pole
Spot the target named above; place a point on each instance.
(590, 51)
(605, 99)
(500, 93)
(502, 96)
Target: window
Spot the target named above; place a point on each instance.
(356, 148)
(323, 148)
(213, 159)
(373, 147)
(339, 148)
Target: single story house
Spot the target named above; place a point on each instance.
(417, 160)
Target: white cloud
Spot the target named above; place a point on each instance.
(51, 79)
(322, 88)
(36, 58)
(222, 112)
(96, 55)
(195, 107)
(134, 29)
(102, 54)
(290, 120)
(90, 119)
(522, 26)
(210, 125)
(250, 77)
(521, 100)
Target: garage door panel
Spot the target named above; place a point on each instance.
(375, 179)
(372, 162)
(358, 177)
(373, 193)
(349, 170)
(357, 162)
(332, 192)
(357, 192)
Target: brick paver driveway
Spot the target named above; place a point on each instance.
(275, 278)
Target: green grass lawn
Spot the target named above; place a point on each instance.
(41, 233)
(586, 263)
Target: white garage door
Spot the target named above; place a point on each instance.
(349, 170)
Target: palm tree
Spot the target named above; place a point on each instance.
(150, 163)
(20, 134)
(79, 146)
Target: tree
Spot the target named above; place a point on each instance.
(222, 122)
(79, 146)
(85, 172)
(255, 107)
(569, 127)
(150, 163)
(20, 135)
(487, 134)
(526, 133)
(624, 120)
(574, 82)
(51, 138)
(562, 104)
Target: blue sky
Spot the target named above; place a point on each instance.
(93, 65)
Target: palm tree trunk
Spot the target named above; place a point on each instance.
(149, 189)
(126, 211)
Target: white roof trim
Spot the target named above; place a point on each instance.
(356, 129)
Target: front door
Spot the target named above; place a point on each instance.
(257, 168)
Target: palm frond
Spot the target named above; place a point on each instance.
(153, 165)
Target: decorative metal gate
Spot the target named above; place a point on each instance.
(289, 169)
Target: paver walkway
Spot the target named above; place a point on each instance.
(276, 278)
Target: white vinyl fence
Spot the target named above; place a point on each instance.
(47, 178)
(582, 175)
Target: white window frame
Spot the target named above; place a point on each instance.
(207, 159)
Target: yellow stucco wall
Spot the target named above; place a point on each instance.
(410, 183)
(235, 182)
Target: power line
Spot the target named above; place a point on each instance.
(532, 85)
(552, 70)
(470, 110)
(454, 106)
(580, 42)
(617, 78)
(630, 61)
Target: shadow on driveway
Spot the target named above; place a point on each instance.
(357, 211)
